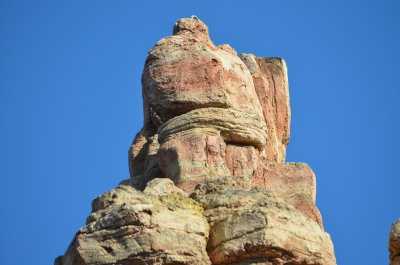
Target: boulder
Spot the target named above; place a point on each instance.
(161, 187)
(129, 227)
(187, 71)
(258, 227)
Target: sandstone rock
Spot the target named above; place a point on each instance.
(139, 153)
(258, 227)
(193, 145)
(216, 127)
(129, 227)
(233, 126)
(242, 162)
(271, 84)
(161, 187)
(142, 157)
(191, 156)
(394, 243)
(294, 182)
(187, 71)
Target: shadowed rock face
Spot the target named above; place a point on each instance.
(394, 243)
(209, 182)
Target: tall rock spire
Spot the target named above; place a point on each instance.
(209, 182)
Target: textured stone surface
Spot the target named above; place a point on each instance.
(209, 183)
(161, 187)
(142, 157)
(234, 126)
(129, 227)
(272, 88)
(258, 227)
(294, 182)
(394, 243)
(187, 71)
(192, 156)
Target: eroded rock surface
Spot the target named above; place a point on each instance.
(394, 243)
(129, 227)
(219, 224)
(258, 227)
(272, 88)
(187, 71)
(209, 182)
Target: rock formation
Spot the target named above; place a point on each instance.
(209, 182)
(394, 243)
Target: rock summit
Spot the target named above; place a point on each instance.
(208, 179)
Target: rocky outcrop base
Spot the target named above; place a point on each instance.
(218, 224)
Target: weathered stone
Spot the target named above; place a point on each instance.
(129, 227)
(233, 126)
(191, 156)
(216, 126)
(142, 157)
(272, 88)
(161, 187)
(242, 162)
(187, 71)
(258, 227)
(394, 243)
(294, 182)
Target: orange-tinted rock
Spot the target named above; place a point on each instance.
(271, 84)
(216, 127)
(233, 126)
(187, 71)
(242, 162)
(191, 156)
(294, 182)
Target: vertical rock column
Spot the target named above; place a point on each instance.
(210, 113)
(209, 182)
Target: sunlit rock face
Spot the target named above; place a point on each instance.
(209, 183)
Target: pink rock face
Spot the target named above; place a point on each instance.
(294, 182)
(189, 158)
(210, 113)
(187, 71)
(210, 161)
(242, 162)
(271, 84)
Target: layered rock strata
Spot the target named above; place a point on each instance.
(209, 182)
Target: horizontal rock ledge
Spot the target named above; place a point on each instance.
(234, 126)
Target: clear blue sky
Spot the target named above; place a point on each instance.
(70, 105)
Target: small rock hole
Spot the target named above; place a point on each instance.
(214, 62)
(108, 249)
